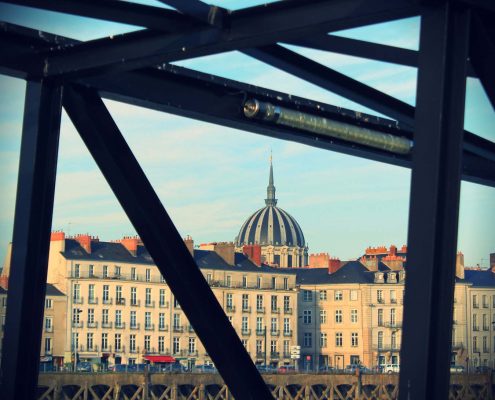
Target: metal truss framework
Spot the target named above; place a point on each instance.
(133, 68)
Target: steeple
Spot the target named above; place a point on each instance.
(270, 190)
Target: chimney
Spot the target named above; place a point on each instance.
(394, 262)
(319, 260)
(57, 235)
(4, 282)
(403, 249)
(188, 240)
(459, 265)
(333, 265)
(131, 243)
(253, 252)
(392, 251)
(492, 261)
(223, 249)
(84, 241)
(370, 262)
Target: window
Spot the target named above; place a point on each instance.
(323, 295)
(393, 297)
(286, 347)
(176, 320)
(354, 339)
(274, 303)
(393, 340)
(245, 301)
(259, 302)
(380, 317)
(338, 339)
(48, 324)
(104, 316)
(148, 275)
(91, 270)
(274, 325)
(274, 282)
(307, 339)
(323, 339)
(91, 316)
(392, 316)
(161, 344)
(259, 345)
(307, 316)
(307, 295)
(475, 343)
(485, 322)
(244, 343)
(286, 283)
(208, 278)
(133, 273)
(354, 295)
(117, 341)
(75, 315)
(379, 296)
(147, 342)
(286, 325)
(147, 319)
(475, 301)
(77, 292)
(244, 281)
(148, 296)
(105, 293)
(176, 303)
(118, 318)
(259, 324)
(105, 271)
(258, 282)
(91, 293)
(354, 316)
(162, 297)
(132, 343)
(89, 341)
(338, 316)
(230, 302)
(273, 346)
(133, 319)
(48, 345)
(76, 271)
(48, 303)
(338, 295)
(192, 345)
(228, 281)
(286, 303)
(118, 294)
(104, 341)
(75, 340)
(244, 325)
(116, 271)
(380, 340)
(475, 322)
(162, 279)
(161, 321)
(176, 345)
(323, 317)
(133, 296)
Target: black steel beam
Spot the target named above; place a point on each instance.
(156, 18)
(255, 27)
(482, 51)
(31, 240)
(329, 79)
(210, 14)
(145, 211)
(434, 203)
(363, 49)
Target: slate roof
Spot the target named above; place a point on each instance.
(350, 272)
(116, 252)
(53, 291)
(483, 278)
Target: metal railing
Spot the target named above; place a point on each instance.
(150, 304)
(288, 333)
(163, 328)
(107, 300)
(135, 302)
(149, 327)
(246, 309)
(135, 326)
(92, 300)
(92, 324)
(246, 332)
(230, 309)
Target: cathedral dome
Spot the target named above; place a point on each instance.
(270, 225)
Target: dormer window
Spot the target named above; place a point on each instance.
(379, 277)
(392, 277)
(402, 275)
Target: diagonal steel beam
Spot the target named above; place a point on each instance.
(434, 204)
(145, 211)
(250, 28)
(31, 240)
(124, 12)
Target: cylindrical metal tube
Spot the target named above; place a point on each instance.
(312, 123)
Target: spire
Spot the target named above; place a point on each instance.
(270, 190)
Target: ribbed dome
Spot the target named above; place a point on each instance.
(271, 226)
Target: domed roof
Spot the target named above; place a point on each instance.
(271, 225)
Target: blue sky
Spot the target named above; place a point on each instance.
(211, 178)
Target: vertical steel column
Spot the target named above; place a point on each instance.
(434, 204)
(31, 240)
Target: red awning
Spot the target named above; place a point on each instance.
(160, 359)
